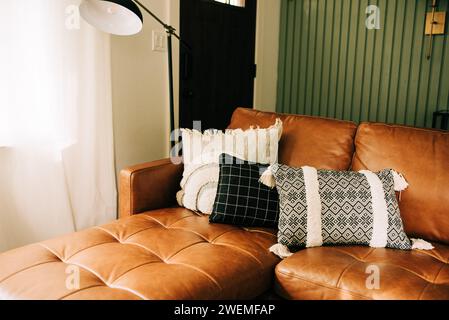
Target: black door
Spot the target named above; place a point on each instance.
(217, 72)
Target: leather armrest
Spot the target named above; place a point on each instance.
(149, 186)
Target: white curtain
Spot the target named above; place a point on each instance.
(56, 140)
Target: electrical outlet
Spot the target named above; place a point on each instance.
(159, 41)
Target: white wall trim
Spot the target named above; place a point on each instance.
(267, 53)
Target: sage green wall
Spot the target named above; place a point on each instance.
(331, 65)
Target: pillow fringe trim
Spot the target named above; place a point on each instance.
(283, 252)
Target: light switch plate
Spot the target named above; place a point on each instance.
(159, 41)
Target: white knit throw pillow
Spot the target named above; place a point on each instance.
(201, 152)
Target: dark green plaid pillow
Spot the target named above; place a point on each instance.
(241, 199)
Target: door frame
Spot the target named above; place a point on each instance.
(187, 84)
(267, 48)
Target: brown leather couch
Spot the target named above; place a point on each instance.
(160, 251)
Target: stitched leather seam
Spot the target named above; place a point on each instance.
(83, 267)
(219, 236)
(423, 291)
(84, 249)
(368, 254)
(134, 268)
(108, 233)
(350, 265)
(201, 236)
(66, 261)
(126, 239)
(433, 283)
(51, 251)
(185, 248)
(202, 272)
(27, 268)
(353, 256)
(143, 247)
(240, 249)
(135, 233)
(189, 246)
(194, 232)
(440, 259)
(189, 216)
(436, 277)
(130, 291)
(344, 271)
(393, 265)
(217, 244)
(149, 217)
(242, 229)
(403, 268)
(126, 243)
(109, 285)
(206, 240)
(89, 270)
(80, 290)
(324, 286)
(157, 221)
(230, 246)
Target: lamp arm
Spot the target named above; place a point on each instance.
(167, 27)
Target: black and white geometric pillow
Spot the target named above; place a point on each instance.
(241, 199)
(323, 207)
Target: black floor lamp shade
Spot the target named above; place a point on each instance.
(119, 17)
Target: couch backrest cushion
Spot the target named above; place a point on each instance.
(422, 156)
(306, 141)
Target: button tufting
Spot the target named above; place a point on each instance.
(342, 272)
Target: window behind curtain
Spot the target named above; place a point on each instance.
(237, 3)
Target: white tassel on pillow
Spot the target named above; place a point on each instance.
(267, 178)
(419, 244)
(281, 251)
(400, 184)
(180, 197)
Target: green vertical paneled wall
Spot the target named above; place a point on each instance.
(331, 65)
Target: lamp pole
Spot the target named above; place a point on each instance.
(171, 32)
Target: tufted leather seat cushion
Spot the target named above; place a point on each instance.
(341, 273)
(162, 254)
